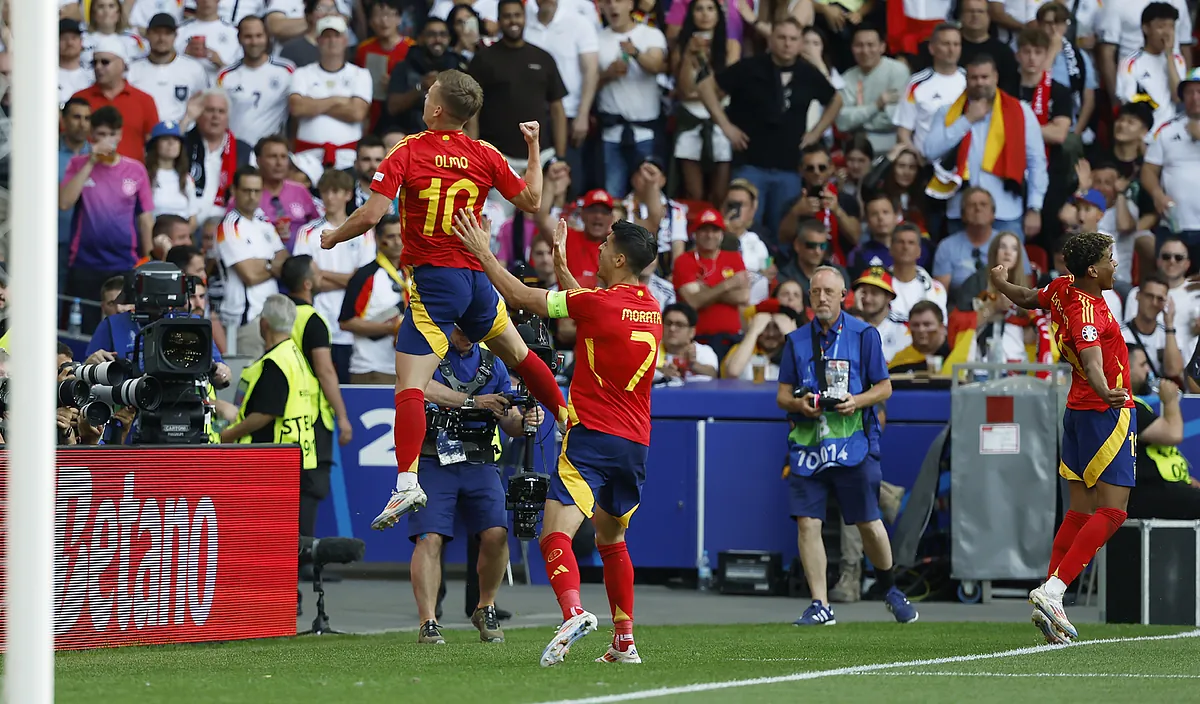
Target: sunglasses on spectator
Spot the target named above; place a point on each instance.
(816, 245)
(816, 168)
(1168, 257)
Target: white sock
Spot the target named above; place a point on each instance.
(1055, 587)
(405, 480)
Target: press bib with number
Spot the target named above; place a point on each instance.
(298, 422)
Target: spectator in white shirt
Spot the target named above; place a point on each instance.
(252, 259)
(376, 297)
(1172, 167)
(169, 166)
(763, 345)
(681, 357)
(232, 11)
(1119, 34)
(1173, 263)
(73, 76)
(143, 10)
(337, 265)
(105, 19)
(174, 81)
(571, 39)
(873, 295)
(647, 205)
(932, 89)
(910, 282)
(209, 39)
(258, 85)
(330, 100)
(631, 56)
(741, 205)
(1152, 74)
(216, 153)
(1157, 339)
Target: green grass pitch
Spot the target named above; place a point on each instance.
(392, 667)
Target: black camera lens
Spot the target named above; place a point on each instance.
(73, 393)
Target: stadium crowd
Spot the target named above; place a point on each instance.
(910, 144)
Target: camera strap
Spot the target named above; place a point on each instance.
(818, 352)
(487, 363)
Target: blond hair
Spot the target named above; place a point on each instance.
(460, 94)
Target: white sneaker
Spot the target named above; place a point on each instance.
(1053, 635)
(571, 631)
(402, 502)
(627, 657)
(1052, 608)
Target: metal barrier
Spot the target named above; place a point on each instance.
(1005, 435)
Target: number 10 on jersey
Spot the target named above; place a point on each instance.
(443, 204)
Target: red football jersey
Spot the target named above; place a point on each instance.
(716, 318)
(583, 258)
(616, 350)
(434, 174)
(1085, 321)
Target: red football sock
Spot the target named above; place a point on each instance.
(409, 430)
(1094, 534)
(618, 582)
(536, 375)
(1072, 522)
(563, 572)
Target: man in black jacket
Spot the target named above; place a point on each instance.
(411, 79)
(215, 154)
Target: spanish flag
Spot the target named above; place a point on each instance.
(1003, 155)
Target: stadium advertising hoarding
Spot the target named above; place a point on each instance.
(172, 545)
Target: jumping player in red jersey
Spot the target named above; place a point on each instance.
(434, 173)
(602, 466)
(1099, 427)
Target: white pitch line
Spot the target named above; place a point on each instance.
(858, 669)
(1030, 674)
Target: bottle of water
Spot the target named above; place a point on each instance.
(704, 573)
(75, 319)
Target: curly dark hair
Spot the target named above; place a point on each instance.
(1084, 250)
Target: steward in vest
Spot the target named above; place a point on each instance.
(278, 396)
(1165, 488)
(459, 475)
(831, 377)
(311, 334)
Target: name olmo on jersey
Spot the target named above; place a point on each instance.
(170, 582)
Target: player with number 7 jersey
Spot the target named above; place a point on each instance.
(434, 173)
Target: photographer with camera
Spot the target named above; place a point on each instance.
(467, 401)
(278, 396)
(831, 376)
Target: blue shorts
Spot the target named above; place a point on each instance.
(442, 298)
(1099, 446)
(598, 469)
(856, 489)
(473, 490)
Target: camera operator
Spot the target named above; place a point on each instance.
(458, 471)
(278, 395)
(311, 333)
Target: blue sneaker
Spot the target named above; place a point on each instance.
(898, 604)
(817, 614)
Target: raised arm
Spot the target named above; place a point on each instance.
(478, 241)
(566, 280)
(1026, 298)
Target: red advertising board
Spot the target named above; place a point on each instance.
(171, 544)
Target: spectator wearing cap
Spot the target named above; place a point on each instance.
(293, 25)
(910, 281)
(811, 249)
(680, 357)
(630, 55)
(174, 81)
(520, 83)
(1070, 65)
(410, 80)
(822, 199)
(583, 246)
(168, 165)
(873, 89)
(215, 154)
(286, 204)
(1152, 75)
(766, 337)
(73, 74)
(1119, 34)
(209, 39)
(72, 141)
(330, 100)
(874, 250)
(769, 96)
(114, 205)
(741, 205)
(648, 205)
(873, 295)
(258, 85)
(139, 115)
(1172, 168)
(106, 21)
(714, 283)
(989, 139)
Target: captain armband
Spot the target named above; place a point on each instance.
(556, 304)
